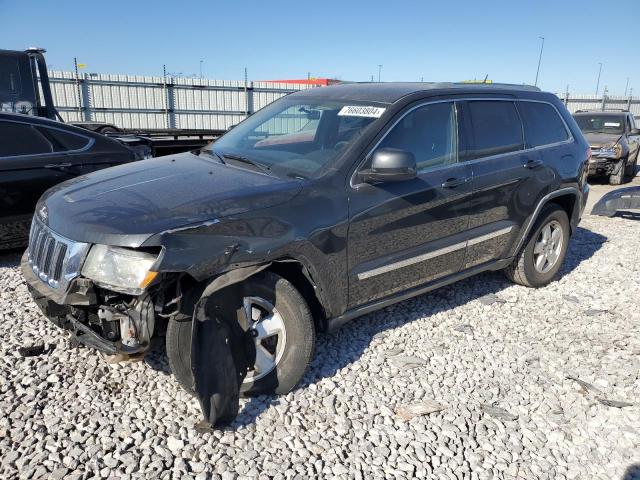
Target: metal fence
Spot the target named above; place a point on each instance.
(161, 102)
(148, 102)
(606, 102)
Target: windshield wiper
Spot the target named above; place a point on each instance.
(213, 154)
(239, 158)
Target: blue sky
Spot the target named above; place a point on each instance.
(440, 41)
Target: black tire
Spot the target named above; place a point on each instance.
(631, 168)
(523, 270)
(298, 349)
(619, 170)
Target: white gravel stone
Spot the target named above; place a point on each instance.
(496, 356)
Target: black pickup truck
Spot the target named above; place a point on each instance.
(321, 207)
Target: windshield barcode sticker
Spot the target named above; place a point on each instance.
(361, 111)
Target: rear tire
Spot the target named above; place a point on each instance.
(529, 268)
(619, 170)
(291, 362)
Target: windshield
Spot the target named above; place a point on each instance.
(613, 124)
(295, 138)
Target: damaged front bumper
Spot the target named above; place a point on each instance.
(110, 322)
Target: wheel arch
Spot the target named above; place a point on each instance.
(567, 198)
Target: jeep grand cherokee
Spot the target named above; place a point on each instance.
(323, 206)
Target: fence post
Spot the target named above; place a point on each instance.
(629, 104)
(86, 98)
(249, 97)
(171, 101)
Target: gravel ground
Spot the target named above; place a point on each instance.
(514, 383)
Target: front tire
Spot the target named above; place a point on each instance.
(285, 336)
(619, 170)
(539, 261)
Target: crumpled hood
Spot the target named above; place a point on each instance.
(125, 205)
(601, 139)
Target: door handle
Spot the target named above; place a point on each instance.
(57, 165)
(454, 182)
(533, 163)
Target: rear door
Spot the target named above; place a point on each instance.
(406, 233)
(506, 178)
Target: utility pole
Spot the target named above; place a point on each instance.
(598, 81)
(75, 66)
(379, 71)
(371, 78)
(626, 87)
(201, 69)
(539, 60)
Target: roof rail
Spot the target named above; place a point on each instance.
(597, 110)
(519, 86)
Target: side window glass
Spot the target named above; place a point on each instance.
(542, 125)
(495, 128)
(18, 139)
(64, 141)
(629, 127)
(430, 133)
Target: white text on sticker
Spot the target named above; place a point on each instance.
(360, 111)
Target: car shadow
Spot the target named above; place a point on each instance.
(337, 350)
(632, 472)
(10, 258)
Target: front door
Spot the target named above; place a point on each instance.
(406, 233)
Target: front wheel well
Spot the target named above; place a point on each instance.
(296, 273)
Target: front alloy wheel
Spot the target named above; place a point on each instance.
(269, 335)
(277, 322)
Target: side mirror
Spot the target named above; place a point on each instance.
(390, 165)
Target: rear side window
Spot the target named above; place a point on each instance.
(430, 133)
(64, 141)
(18, 139)
(495, 128)
(542, 124)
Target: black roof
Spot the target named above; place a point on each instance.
(393, 91)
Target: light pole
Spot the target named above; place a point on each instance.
(626, 87)
(539, 60)
(201, 68)
(379, 71)
(598, 81)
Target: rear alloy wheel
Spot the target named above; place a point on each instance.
(539, 261)
(548, 246)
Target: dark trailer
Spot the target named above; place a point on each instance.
(25, 88)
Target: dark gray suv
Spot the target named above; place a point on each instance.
(323, 206)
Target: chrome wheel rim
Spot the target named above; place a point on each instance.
(266, 326)
(548, 246)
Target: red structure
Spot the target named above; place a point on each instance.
(322, 82)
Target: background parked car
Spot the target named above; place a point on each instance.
(614, 141)
(36, 154)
